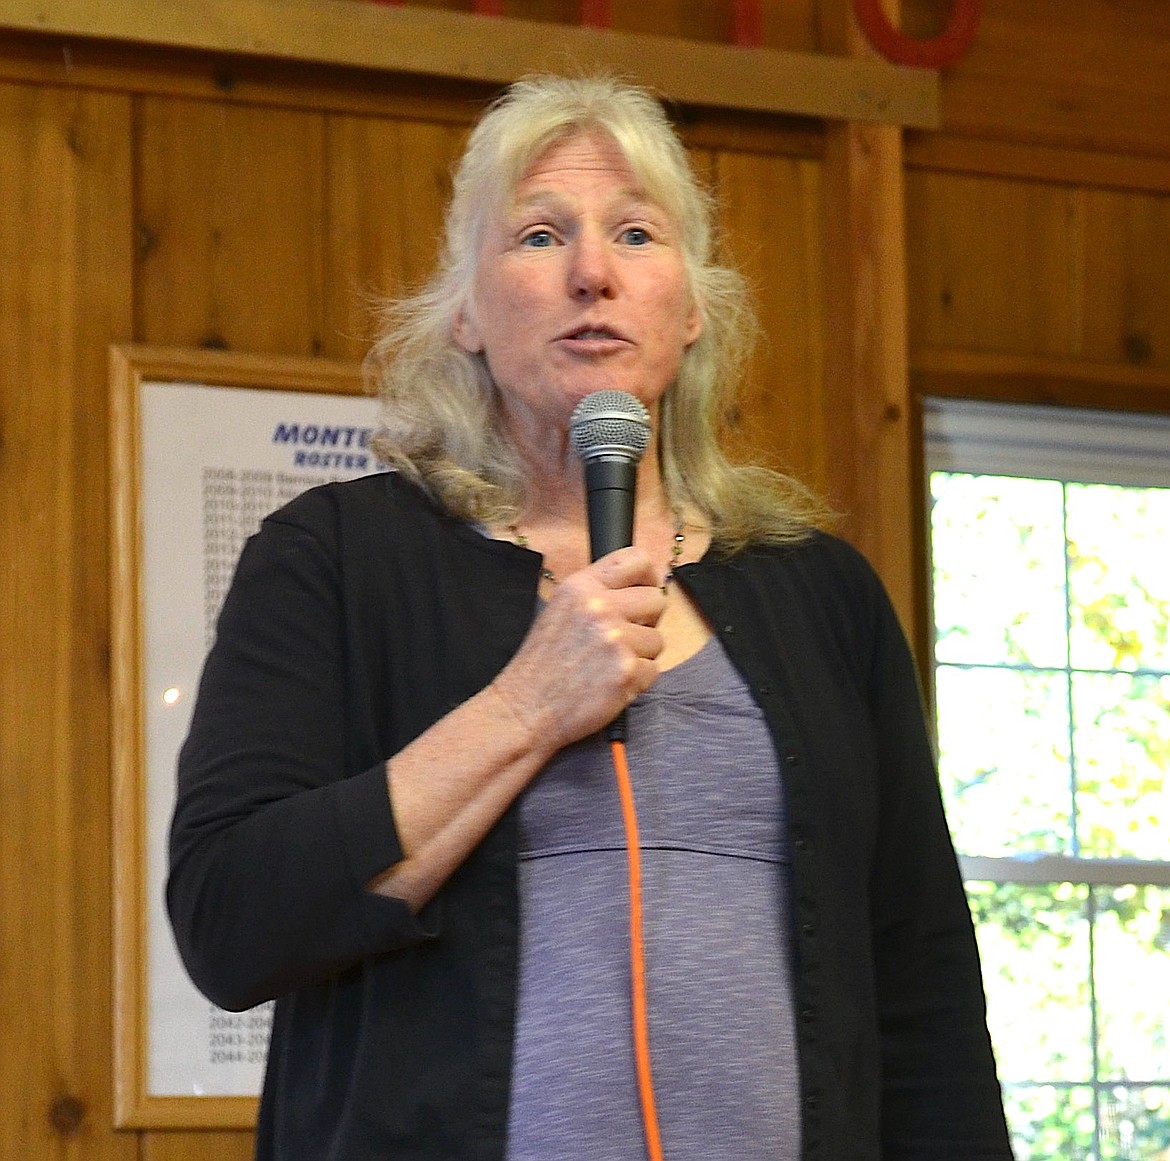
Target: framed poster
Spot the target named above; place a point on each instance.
(204, 444)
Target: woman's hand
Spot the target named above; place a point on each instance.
(590, 652)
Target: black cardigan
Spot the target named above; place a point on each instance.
(358, 616)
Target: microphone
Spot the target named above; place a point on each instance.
(609, 430)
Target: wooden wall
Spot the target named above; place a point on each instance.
(1039, 219)
(166, 198)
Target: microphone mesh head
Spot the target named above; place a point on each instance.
(610, 423)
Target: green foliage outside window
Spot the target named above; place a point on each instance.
(1052, 687)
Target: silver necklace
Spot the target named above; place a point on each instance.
(676, 550)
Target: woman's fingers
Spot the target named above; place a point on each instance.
(622, 568)
(591, 651)
(628, 583)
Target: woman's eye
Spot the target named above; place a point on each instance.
(636, 236)
(538, 239)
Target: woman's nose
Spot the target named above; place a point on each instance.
(591, 268)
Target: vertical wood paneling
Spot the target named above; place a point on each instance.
(1127, 278)
(230, 226)
(867, 390)
(771, 220)
(65, 279)
(791, 24)
(995, 265)
(1087, 74)
(387, 184)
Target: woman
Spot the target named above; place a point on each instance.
(396, 811)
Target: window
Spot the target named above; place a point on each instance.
(1050, 554)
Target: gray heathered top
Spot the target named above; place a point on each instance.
(716, 917)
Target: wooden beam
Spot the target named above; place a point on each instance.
(497, 50)
(867, 383)
(945, 153)
(1017, 378)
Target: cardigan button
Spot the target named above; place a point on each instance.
(792, 759)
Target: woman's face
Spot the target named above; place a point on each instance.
(580, 286)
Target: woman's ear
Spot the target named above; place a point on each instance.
(466, 333)
(694, 324)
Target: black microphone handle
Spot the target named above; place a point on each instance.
(609, 497)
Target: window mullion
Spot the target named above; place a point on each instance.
(1062, 869)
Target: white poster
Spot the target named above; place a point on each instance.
(215, 462)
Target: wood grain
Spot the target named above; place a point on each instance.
(388, 183)
(185, 197)
(1079, 74)
(770, 211)
(65, 282)
(947, 153)
(201, 1146)
(230, 213)
(1126, 270)
(1039, 379)
(994, 264)
(497, 50)
(866, 396)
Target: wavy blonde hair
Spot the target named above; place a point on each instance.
(441, 420)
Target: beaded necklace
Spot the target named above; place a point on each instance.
(676, 550)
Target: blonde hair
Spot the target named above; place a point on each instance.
(440, 407)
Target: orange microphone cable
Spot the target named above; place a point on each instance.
(640, 1022)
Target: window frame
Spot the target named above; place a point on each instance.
(1137, 470)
